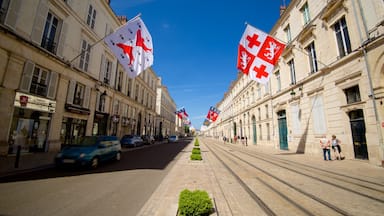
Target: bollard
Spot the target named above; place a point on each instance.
(17, 157)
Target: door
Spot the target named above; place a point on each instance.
(282, 121)
(357, 123)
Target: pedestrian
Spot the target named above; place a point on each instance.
(336, 148)
(325, 144)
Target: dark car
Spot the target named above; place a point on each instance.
(148, 140)
(131, 141)
(90, 151)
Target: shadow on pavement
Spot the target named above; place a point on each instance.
(151, 157)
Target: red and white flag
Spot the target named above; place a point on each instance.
(213, 113)
(132, 46)
(257, 54)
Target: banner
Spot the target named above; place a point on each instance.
(213, 113)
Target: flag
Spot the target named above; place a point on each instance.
(257, 54)
(213, 113)
(206, 122)
(181, 113)
(132, 46)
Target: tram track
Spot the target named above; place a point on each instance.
(295, 198)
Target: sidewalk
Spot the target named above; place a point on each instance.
(185, 174)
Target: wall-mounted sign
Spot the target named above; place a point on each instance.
(34, 103)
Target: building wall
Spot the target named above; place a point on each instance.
(315, 104)
(111, 102)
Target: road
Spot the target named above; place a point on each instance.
(114, 188)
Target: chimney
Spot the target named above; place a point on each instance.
(282, 9)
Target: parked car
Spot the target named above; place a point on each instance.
(148, 140)
(131, 141)
(90, 151)
(173, 138)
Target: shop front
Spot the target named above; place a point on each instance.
(30, 123)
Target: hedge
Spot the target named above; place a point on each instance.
(194, 203)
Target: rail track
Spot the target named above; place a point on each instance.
(279, 186)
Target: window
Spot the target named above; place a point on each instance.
(268, 132)
(278, 80)
(79, 94)
(259, 111)
(291, 65)
(102, 101)
(266, 111)
(260, 133)
(312, 57)
(318, 115)
(39, 82)
(287, 31)
(120, 81)
(342, 37)
(129, 86)
(352, 94)
(50, 34)
(107, 71)
(295, 117)
(3, 9)
(91, 16)
(85, 53)
(305, 11)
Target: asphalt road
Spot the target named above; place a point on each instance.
(115, 188)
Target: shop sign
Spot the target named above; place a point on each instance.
(35, 103)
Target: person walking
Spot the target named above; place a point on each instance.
(325, 144)
(336, 148)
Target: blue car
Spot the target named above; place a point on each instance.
(90, 151)
(131, 141)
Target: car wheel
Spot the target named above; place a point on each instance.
(95, 162)
(118, 156)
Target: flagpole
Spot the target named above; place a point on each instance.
(82, 52)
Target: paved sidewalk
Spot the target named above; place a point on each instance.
(185, 174)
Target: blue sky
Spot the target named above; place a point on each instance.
(195, 44)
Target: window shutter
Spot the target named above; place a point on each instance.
(113, 76)
(71, 91)
(102, 68)
(98, 94)
(87, 95)
(61, 44)
(13, 13)
(38, 26)
(26, 79)
(53, 85)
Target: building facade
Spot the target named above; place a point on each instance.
(165, 109)
(329, 80)
(59, 80)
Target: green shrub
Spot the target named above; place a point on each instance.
(195, 203)
(196, 142)
(196, 157)
(196, 151)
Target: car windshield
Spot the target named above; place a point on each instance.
(127, 136)
(85, 141)
(173, 137)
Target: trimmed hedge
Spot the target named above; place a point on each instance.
(196, 203)
(196, 151)
(196, 157)
(196, 142)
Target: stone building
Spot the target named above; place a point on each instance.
(329, 80)
(165, 109)
(59, 80)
